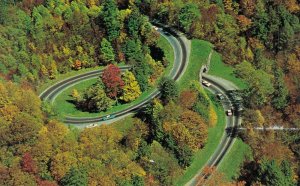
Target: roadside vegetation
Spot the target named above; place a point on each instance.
(202, 156)
(233, 161)
(42, 39)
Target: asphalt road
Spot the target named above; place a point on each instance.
(219, 85)
(180, 47)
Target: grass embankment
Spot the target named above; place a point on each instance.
(164, 44)
(124, 124)
(199, 53)
(231, 163)
(220, 69)
(64, 107)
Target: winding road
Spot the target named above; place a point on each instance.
(219, 85)
(181, 47)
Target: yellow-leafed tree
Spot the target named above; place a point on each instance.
(131, 89)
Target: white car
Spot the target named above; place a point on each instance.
(229, 113)
(92, 125)
(205, 83)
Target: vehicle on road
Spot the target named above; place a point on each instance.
(108, 117)
(229, 112)
(155, 27)
(205, 83)
(91, 125)
(220, 96)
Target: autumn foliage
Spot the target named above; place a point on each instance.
(28, 164)
(111, 77)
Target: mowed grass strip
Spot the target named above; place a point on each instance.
(232, 162)
(199, 53)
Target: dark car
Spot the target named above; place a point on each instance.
(220, 96)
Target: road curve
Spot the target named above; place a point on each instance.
(181, 52)
(180, 61)
(232, 122)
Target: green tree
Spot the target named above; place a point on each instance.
(169, 89)
(260, 82)
(138, 181)
(107, 52)
(110, 15)
(188, 13)
(261, 21)
(271, 174)
(95, 99)
(281, 93)
(184, 156)
(153, 113)
(131, 88)
(75, 177)
(134, 23)
(288, 172)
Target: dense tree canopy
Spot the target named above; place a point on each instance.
(40, 40)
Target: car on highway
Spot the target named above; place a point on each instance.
(155, 27)
(91, 125)
(108, 117)
(220, 96)
(229, 112)
(205, 83)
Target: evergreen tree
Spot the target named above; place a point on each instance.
(281, 93)
(185, 156)
(169, 89)
(95, 99)
(110, 15)
(271, 174)
(134, 23)
(107, 52)
(75, 177)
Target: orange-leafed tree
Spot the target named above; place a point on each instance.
(111, 77)
(248, 7)
(244, 22)
(215, 178)
(28, 164)
(77, 65)
(196, 127)
(187, 99)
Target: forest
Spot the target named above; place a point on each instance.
(43, 39)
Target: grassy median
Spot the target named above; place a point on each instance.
(199, 53)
